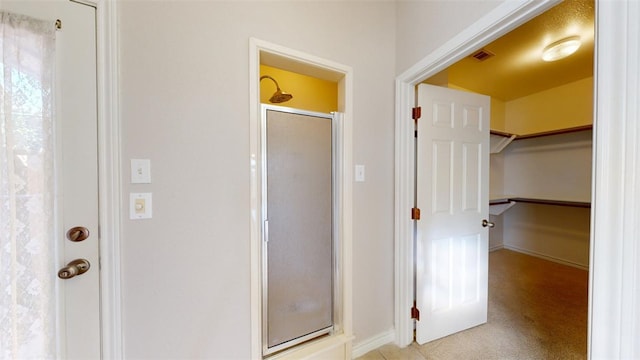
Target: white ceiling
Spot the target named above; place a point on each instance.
(517, 69)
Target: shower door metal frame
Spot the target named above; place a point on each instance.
(336, 168)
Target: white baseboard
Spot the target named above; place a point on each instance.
(546, 257)
(373, 343)
(496, 247)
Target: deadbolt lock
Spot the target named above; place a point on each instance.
(78, 233)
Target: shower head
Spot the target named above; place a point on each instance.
(279, 96)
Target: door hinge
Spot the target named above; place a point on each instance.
(416, 113)
(415, 214)
(415, 313)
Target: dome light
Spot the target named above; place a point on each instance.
(561, 48)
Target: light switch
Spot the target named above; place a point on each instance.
(140, 206)
(359, 173)
(140, 171)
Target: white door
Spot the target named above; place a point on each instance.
(453, 196)
(76, 306)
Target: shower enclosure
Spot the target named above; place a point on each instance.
(299, 239)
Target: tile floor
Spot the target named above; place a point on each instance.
(392, 352)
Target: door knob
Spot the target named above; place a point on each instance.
(486, 223)
(76, 267)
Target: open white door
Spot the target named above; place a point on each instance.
(55, 169)
(453, 196)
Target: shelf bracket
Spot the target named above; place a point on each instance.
(498, 143)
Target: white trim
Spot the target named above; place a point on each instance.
(109, 177)
(496, 248)
(373, 343)
(345, 101)
(255, 226)
(501, 20)
(544, 257)
(614, 291)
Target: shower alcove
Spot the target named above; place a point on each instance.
(300, 307)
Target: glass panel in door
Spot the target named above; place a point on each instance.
(299, 226)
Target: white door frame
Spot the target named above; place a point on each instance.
(614, 321)
(109, 162)
(614, 294)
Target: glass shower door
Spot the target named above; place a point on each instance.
(298, 252)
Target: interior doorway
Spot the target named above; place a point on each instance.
(541, 165)
(430, 70)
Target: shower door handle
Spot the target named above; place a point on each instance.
(266, 231)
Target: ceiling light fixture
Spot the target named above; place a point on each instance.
(561, 48)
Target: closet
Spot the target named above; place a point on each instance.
(544, 206)
(541, 181)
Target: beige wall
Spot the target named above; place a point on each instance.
(552, 167)
(184, 105)
(557, 233)
(423, 26)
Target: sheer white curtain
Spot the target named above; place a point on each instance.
(27, 217)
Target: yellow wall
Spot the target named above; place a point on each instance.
(561, 107)
(308, 93)
(498, 116)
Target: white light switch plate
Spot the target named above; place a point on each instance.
(140, 206)
(140, 171)
(359, 173)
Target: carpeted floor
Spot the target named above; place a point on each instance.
(537, 310)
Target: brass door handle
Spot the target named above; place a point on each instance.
(76, 267)
(486, 223)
